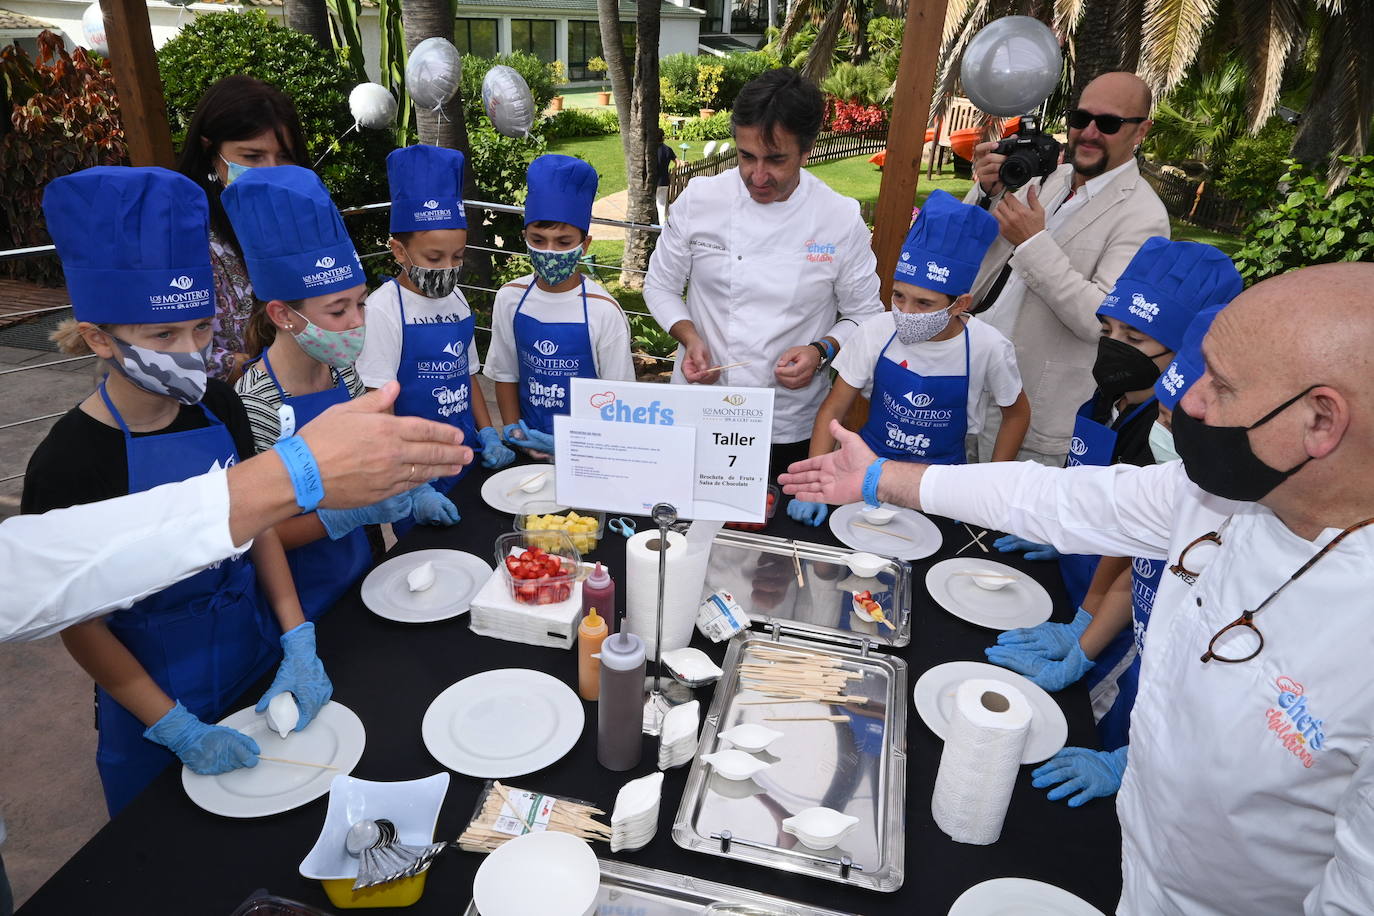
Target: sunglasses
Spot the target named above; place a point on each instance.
(1080, 118)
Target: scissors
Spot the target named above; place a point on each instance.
(622, 526)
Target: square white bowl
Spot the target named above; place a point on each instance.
(412, 805)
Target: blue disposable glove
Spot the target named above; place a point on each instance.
(1051, 640)
(1092, 774)
(494, 452)
(301, 673)
(339, 522)
(807, 513)
(1048, 674)
(532, 439)
(432, 507)
(1010, 543)
(206, 749)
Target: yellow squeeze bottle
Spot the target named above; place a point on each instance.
(591, 632)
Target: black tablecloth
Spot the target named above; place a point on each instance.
(162, 854)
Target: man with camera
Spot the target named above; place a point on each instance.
(1067, 232)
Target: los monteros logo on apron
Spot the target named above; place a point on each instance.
(1077, 446)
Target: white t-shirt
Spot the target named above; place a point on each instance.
(991, 361)
(607, 327)
(381, 354)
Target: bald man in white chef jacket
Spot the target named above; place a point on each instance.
(780, 266)
(1249, 785)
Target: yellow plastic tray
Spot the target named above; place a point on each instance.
(402, 892)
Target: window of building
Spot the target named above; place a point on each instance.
(749, 16)
(534, 36)
(476, 36)
(584, 43)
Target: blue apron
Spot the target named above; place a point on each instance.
(1114, 726)
(914, 417)
(323, 570)
(550, 353)
(204, 640)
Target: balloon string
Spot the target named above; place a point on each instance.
(334, 145)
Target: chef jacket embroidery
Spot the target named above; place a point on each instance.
(1293, 722)
(819, 251)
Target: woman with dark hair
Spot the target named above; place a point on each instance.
(240, 123)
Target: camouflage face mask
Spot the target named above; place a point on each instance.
(175, 375)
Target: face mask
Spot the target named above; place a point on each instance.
(174, 375)
(1162, 443)
(433, 282)
(553, 267)
(1219, 458)
(915, 327)
(1120, 367)
(234, 170)
(338, 349)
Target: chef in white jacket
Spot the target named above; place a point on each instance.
(1249, 786)
(780, 266)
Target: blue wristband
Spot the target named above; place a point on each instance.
(304, 472)
(870, 488)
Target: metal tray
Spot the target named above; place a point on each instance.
(635, 891)
(759, 571)
(858, 767)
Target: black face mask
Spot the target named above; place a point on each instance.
(1219, 458)
(1120, 367)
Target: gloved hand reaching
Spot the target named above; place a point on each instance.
(302, 673)
(1048, 674)
(339, 522)
(1092, 774)
(807, 513)
(494, 452)
(206, 749)
(531, 438)
(1010, 543)
(432, 507)
(1051, 640)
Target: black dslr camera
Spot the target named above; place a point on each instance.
(1030, 154)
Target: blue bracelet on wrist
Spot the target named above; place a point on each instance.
(870, 487)
(304, 472)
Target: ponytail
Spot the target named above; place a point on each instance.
(261, 332)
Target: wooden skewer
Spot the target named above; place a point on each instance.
(723, 368)
(796, 565)
(299, 763)
(977, 538)
(836, 700)
(526, 482)
(987, 575)
(878, 528)
(806, 719)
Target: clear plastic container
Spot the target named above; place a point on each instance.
(545, 589)
(769, 507)
(584, 541)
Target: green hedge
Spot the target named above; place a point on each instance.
(581, 122)
(716, 127)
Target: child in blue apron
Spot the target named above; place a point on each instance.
(925, 366)
(134, 248)
(420, 328)
(556, 324)
(304, 333)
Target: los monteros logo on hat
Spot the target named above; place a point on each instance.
(182, 282)
(431, 204)
(325, 263)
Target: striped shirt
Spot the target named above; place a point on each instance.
(261, 399)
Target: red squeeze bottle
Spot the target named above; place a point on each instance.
(599, 591)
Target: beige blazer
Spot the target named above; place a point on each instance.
(1067, 271)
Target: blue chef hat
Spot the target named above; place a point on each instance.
(134, 243)
(1188, 365)
(294, 242)
(1167, 284)
(426, 188)
(561, 190)
(946, 245)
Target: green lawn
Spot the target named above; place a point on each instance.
(605, 154)
(1227, 243)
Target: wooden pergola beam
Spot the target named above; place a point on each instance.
(133, 61)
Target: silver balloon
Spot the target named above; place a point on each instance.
(507, 100)
(93, 30)
(1011, 66)
(372, 105)
(433, 73)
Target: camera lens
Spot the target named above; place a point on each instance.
(1020, 167)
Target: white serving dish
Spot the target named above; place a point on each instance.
(412, 805)
(819, 828)
(735, 764)
(751, 736)
(549, 873)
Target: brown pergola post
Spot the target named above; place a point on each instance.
(137, 83)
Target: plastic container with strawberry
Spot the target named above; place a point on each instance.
(540, 567)
(769, 507)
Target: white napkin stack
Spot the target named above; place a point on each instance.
(494, 612)
(677, 742)
(635, 818)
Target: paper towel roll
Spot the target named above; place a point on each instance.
(988, 729)
(641, 591)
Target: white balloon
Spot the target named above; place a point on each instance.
(507, 100)
(93, 30)
(433, 73)
(373, 106)
(1011, 66)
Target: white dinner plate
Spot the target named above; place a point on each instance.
(336, 737)
(457, 577)
(934, 696)
(912, 537)
(496, 491)
(503, 723)
(1020, 897)
(1022, 603)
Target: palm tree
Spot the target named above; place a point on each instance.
(840, 18)
(310, 17)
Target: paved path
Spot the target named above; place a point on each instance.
(613, 206)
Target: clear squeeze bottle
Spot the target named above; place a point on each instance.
(599, 591)
(591, 632)
(620, 711)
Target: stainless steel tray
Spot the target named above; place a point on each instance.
(630, 889)
(758, 570)
(857, 766)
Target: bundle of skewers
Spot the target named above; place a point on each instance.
(796, 676)
(484, 833)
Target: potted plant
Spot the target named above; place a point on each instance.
(708, 84)
(599, 65)
(556, 73)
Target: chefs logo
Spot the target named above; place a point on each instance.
(1142, 308)
(917, 400)
(617, 410)
(911, 443)
(602, 399)
(734, 400)
(546, 347)
(907, 408)
(181, 282)
(1293, 723)
(1172, 379)
(936, 272)
(451, 401)
(819, 251)
(433, 212)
